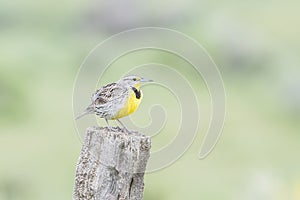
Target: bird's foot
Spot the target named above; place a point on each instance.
(127, 131)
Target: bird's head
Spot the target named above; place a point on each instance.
(134, 81)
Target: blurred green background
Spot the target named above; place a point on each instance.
(256, 45)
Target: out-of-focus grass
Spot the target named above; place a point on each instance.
(255, 44)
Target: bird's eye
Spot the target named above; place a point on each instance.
(134, 79)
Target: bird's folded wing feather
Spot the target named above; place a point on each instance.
(108, 93)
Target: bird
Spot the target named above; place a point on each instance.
(116, 100)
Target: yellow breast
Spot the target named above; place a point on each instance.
(130, 106)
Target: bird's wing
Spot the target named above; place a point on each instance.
(108, 93)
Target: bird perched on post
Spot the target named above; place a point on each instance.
(116, 100)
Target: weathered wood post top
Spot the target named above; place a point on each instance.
(111, 165)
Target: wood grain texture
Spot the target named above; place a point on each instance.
(111, 165)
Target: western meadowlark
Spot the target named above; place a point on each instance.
(116, 100)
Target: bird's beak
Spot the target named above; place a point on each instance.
(145, 80)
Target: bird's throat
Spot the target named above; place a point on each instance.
(137, 92)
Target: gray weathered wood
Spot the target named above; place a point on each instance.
(111, 165)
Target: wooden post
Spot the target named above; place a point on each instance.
(111, 165)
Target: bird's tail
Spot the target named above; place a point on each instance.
(88, 110)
